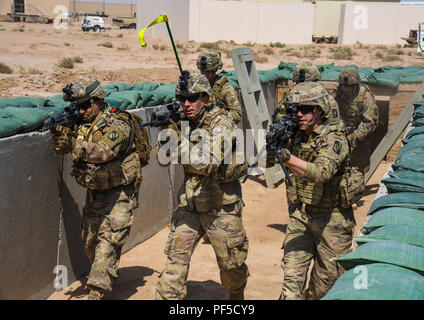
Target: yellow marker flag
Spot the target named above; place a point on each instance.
(163, 18)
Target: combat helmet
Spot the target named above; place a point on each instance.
(82, 90)
(310, 94)
(209, 59)
(192, 83)
(306, 71)
(349, 76)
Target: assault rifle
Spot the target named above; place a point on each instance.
(164, 117)
(278, 135)
(68, 119)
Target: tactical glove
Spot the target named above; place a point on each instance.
(62, 140)
(352, 141)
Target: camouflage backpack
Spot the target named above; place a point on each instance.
(141, 139)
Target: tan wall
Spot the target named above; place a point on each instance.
(241, 21)
(387, 23)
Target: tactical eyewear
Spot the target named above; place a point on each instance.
(85, 105)
(305, 109)
(191, 99)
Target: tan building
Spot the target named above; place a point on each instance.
(39, 9)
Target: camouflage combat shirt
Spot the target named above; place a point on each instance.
(203, 189)
(226, 96)
(359, 113)
(326, 151)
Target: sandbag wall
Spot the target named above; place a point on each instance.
(40, 213)
(388, 263)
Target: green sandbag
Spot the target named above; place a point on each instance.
(418, 122)
(145, 86)
(418, 113)
(168, 90)
(412, 74)
(405, 180)
(386, 251)
(23, 102)
(413, 133)
(143, 98)
(56, 101)
(9, 126)
(156, 100)
(53, 111)
(394, 215)
(386, 78)
(399, 199)
(409, 162)
(383, 282)
(117, 87)
(32, 118)
(128, 99)
(399, 232)
(114, 103)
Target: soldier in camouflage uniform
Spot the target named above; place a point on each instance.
(359, 111)
(320, 229)
(208, 63)
(210, 199)
(304, 71)
(104, 162)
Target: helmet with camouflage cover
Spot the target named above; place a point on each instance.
(82, 90)
(349, 76)
(209, 59)
(310, 94)
(306, 71)
(192, 83)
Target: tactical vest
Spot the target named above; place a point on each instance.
(204, 193)
(122, 170)
(308, 192)
(238, 166)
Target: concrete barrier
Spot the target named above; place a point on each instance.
(41, 208)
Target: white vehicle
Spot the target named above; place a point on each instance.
(92, 23)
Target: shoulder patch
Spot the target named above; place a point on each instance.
(337, 147)
(113, 136)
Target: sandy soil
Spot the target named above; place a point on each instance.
(35, 52)
(116, 56)
(265, 218)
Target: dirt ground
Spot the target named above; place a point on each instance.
(265, 218)
(33, 52)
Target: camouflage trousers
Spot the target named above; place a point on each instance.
(106, 222)
(227, 236)
(320, 235)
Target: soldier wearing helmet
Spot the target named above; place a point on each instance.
(304, 71)
(208, 63)
(320, 229)
(210, 199)
(105, 162)
(359, 112)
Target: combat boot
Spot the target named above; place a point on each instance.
(95, 294)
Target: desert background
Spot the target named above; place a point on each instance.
(38, 60)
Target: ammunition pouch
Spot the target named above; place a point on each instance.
(106, 176)
(352, 187)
